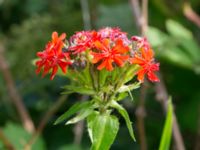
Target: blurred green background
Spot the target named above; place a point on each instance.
(26, 26)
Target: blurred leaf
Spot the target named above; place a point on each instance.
(177, 30)
(191, 48)
(74, 109)
(176, 55)
(178, 46)
(125, 115)
(19, 137)
(70, 147)
(104, 128)
(156, 37)
(1, 146)
(35, 6)
(167, 131)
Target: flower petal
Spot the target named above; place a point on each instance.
(152, 77)
(55, 69)
(109, 66)
(141, 74)
(138, 60)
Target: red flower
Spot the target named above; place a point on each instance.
(148, 66)
(109, 54)
(53, 57)
(82, 41)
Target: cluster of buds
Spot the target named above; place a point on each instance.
(107, 48)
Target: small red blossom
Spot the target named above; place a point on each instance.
(140, 42)
(110, 54)
(52, 57)
(148, 66)
(82, 41)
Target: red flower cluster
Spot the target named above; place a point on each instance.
(52, 56)
(108, 48)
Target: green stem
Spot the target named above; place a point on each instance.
(92, 76)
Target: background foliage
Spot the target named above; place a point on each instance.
(26, 25)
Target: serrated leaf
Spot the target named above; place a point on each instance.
(104, 129)
(74, 109)
(125, 115)
(82, 115)
(178, 30)
(167, 131)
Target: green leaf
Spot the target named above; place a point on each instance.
(83, 114)
(156, 37)
(191, 48)
(121, 96)
(125, 115)
(78, 76)
(130, 73)
(178, 30)
(104, 128)
(78, 89)
(74, 109)
(90, 123)
(127, 88)
(176, 55)
(19, 137)
(103, 76)
(70, 147)
(167, 131)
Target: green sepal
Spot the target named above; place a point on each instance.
(74, 109)
(125, 115)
